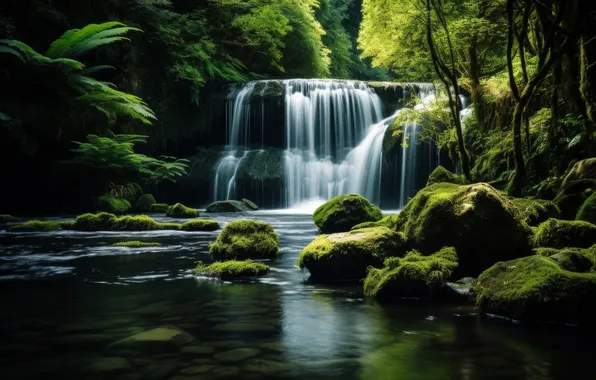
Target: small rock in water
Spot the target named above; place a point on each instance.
(237, 354)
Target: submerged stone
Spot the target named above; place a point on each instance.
(343, 212)
(236, 355)
(479, 222)
(346, 256)
(245, 239)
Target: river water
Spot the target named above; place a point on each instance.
(68, 296)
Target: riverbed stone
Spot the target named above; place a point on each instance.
(109, 365)
(160, 338)
(346, 256)
(197, 350)
(237, 354)
(267, 367)
(196, 370)
(259, 326)
(343, 212)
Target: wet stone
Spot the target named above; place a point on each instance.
(197, 350)
(109, 365)
(266, 367)
(197, 370)
(236, 355)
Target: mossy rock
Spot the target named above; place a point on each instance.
(137, 244)
(346, 256)
(181, 211)
(200, 225)
(536, 211)
(233, 270)
(104, 221)
(440, 174)
(245, 239)
(250, 204)
(556, 233)
(414, 275)
(478, 221)
(390, 221)
(228, 206)
(159, 207)
(587, 212)
(495, 161)
(37, 226)
(5, 218)
(576, 187)
(537, 288)
(343, 212)
(112, 205)
(145, 202)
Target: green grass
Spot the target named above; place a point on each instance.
(233, 269)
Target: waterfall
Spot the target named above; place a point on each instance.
(331, 137)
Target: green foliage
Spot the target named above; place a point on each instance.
(331, 15)
(587, 211)
(181, 211)
(245, 239)
(537, 288)
(137, 244)
(36, 226)
(116, 157)
(413, 275)
(112, 205)
(555, 233)
(145, 202)
(344, 212)
(200, 225)
(346, 256)
(232, 269)
(497, 159)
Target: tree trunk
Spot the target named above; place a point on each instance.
(477, 97)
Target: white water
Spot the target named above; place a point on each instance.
(333, 132)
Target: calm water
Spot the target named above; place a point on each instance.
(68, 296)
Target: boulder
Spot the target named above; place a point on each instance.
(414, 275)
(233, 270)
(228, 206)
(536, 211)
(250, 204)
(343, 212)
(346, 256)
(245, 239)
(587, 211)
(145, 202)
(159, 207)
(555, 233)
(181, 211)
(200, 225)
(537, 288)
(440, 174)
(478, 221)
(576, 187)
(107, 203)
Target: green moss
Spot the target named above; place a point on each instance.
(5, 218)
(137, 244)
(145, 202)
(557, 233)
(478, 221)
(576, 187)
(413, 275)
(343, 212)
(233, 269)
(440, 174)
(36, 226)
(587, 212)
(390, 221)
(250, 204)
(66, 225)
(112, 205)
(493, 162)
(245, 239)
(346, 256)
(536, 211)
(537, 288)
(200, 225)
(227, 206)
(181, 211)
(159, 207)
(109, 222)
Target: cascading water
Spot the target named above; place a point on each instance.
(332, 139)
